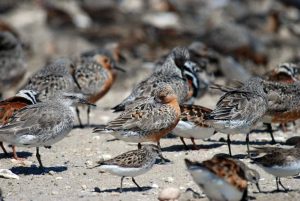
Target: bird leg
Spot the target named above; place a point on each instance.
(38, 156)
(270, 130)
(133, 180)
(3, 148)
(228, 143)
(15, 156)
(88, 114)
(121, 188)
(247, 142)
(139, 145)
(194, 144)
(285, 189)
(78, 116)
(183, 142)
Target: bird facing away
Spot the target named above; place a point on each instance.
(51, 79)
(11, 105)
(147, 119)
(42, 124)
(191, 124)
(220, 178)
(95, 73)
(279, 162)
(173, 72)
(12, 68)
(132, 163)
(239, 110)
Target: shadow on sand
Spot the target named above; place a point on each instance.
(34, 170)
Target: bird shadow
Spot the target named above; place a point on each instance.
(34, 170)
(243, 142)
(130, 189)
(178, 147)
(21, 154)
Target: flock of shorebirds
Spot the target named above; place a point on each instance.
(44, 111)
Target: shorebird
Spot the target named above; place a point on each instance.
(191, 124)
(95, 74)
(53, 78)
(279, 162)
(9, 106)
(239, 110)
(285, 72)
(12, 68)
(176, 71)
(132, 163)
(147, 119)
(220, 178)
(42, 124)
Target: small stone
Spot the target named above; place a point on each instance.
(89, 163)
(96, 137)
(21, 162)
(58, 178)
(106, 157)
(51, 172)
(84, 187)
(169, 194)
(170, 179)
(54, 193)
(67, 187)
(5, 173)
(155, 186)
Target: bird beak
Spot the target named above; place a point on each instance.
(85, 102)
(119, 69)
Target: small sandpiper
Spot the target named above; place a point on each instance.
(279, 162)
(132, 163)
(220, 178)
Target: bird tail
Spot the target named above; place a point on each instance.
(118, 108)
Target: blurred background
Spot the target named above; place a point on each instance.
(232, 39)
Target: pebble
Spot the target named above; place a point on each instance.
(58, 178)
(54, 192)
(89, 163)
(5, 173)
(51, 172)
(169, 194)
(96, 137)
(170, 180)
(154, 186)
(84, 187)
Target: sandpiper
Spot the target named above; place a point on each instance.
(191, 124)
(279, 162)
(238, 111)
(52, 78)
(285, 72)
(220, 178)
(9, 106)
(148, 119)
(42, 124)
(13, 67)
(95, 73)
(132, 163)
(175, 71)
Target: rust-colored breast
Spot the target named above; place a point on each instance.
(285, 117)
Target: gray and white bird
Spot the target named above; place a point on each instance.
(12, 68)
(42, 124)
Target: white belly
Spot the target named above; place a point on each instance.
(214, 187)
(286, 171)
(190, 130)
(121, 171)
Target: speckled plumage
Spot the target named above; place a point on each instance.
(51, 79)
(172, 71)
(132, 163)
(148, 119)
(12, 64)
(220, 178)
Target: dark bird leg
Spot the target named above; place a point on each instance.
(183, 142)
(78, 116)
(139, 145)
(3, 148)
(270, 130)
(229, 143)
(38, 156)
(133, 180)
(285, 189)
(121, 188)
(194, 144)
(247, 142)
(88, 115)
(158, 144)
(277, 185)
